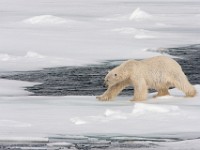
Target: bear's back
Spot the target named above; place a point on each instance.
(162, 63)
(160, 70)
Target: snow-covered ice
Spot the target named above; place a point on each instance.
(67, 33)
(139, 15)
(33, 61)
(137, 34)
(82, 115)
(45, 20)
(148, 108)
(48, 33)
(14, 88)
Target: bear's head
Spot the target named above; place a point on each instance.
(115, 76)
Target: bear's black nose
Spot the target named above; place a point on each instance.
(105, 85)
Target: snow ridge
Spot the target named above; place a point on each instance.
(139, 15)
(45, 19)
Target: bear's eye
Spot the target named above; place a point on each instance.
(115, 75)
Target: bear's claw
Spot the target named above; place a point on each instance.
(103, 98)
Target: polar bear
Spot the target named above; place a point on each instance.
(159, 73)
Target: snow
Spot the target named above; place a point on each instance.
(77, 121)
(149, 108)
(45, 19)
(139, 15)
(24, 139)
(36, 35)
(14, 88)
(138, 34)
(38, 116)
(183, 145)
(12, 123)
(33, 61)
(60, 144)
(71, 33)
(34, 55)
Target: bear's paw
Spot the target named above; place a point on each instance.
(103, 98)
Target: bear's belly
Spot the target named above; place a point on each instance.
(157, 84)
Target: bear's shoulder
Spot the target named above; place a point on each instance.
(130, 61)
(156, 58)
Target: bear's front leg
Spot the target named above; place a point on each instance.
(103, 98)
(106, 96)
(162, 92)
(113, 91)
(140, 90)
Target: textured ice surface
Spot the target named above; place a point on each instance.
(78, 122)
(14, 88)
(140, 15)
(45, 20)
(148, 108)
(68, 33)
(52, 33)
(39, 116)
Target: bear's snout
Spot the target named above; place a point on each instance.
(105, 84)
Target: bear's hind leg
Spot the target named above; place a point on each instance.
(184, 85)
(162, 92)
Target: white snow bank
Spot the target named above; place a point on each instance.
(23, 139)
(5, 57)
(45, 20)
(30, 116)
(71, 32)
(138, 33)
(55, 144)
(13, 123)
(77, 121)
(140, 108)
(139, 15)
(144, 36)
(116, 17)
(126, 30)
(33, 61)
(31, 54)
(14, 88)
(183, 145)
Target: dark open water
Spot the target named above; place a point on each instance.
(88, 80)
(90, 143)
